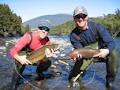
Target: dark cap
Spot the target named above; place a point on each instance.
(45, 28)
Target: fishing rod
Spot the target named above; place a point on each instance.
(15, 67)
(86, 68)
(16, 72)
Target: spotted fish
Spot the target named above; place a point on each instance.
(39, 54)
(85, 52)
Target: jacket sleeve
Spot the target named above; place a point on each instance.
(74, 39)
(106, 37)
(21, 43)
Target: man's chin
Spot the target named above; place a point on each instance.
(80, 27)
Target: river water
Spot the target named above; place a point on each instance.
(94, 78)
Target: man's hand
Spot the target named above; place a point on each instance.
(22, 59)
(75, 55)
(103, 53)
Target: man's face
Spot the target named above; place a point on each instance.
(43, 33)
(80, 20)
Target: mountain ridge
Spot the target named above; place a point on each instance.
(48, 20)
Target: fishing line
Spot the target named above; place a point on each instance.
(24, 78)
(55, 85)
(26, 81)
(91, 78)
(14, 65)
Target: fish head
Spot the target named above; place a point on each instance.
(73, 54)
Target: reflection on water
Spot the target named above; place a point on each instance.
(94, 78)
(5, 73)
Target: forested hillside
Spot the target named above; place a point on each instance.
(11, 24)
(110, 21)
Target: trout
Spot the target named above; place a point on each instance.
(86, 53)
(39, 54)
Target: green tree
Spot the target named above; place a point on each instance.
(10, 23)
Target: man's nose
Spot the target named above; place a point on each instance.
(80, 19)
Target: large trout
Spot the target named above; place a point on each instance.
(34, 57)
(86, 53)
(39, 54)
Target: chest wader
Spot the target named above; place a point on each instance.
(112, 67)
(82, 65)
(18, 70)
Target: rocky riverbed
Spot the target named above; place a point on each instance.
(93, 80)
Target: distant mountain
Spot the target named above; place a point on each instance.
(49, 20)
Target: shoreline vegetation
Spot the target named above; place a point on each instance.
(12, 26)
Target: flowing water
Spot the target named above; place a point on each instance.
(94, 78)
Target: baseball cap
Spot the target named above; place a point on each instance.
(45, 28)
(79, 10)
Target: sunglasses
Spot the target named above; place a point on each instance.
(44, 28)
(83, 16)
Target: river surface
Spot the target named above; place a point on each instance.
(94, 78)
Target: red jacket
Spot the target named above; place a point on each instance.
(36, 43)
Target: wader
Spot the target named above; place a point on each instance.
(18, 70)
(82, 64)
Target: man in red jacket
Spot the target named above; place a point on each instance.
(33, 41)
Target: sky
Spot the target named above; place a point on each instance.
(29, 9)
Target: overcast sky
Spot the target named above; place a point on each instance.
(29, 9)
